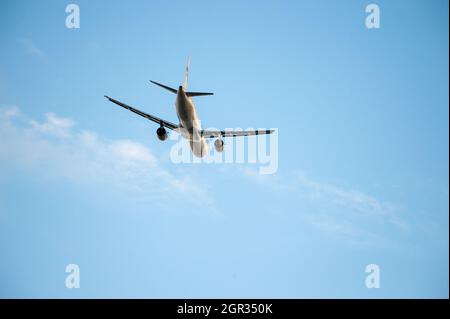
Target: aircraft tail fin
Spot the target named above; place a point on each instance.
(168, 88)
(186, 74)
(185, 84)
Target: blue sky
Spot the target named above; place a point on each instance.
(362, 119)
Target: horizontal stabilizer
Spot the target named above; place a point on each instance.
(198, 93)
(168, 88)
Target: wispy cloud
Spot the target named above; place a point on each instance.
(31, 48)
(342, 227)
(347, 213)
(55, 148)
(354, 201)
(54, 125)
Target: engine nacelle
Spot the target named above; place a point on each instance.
(161, 133)
(218, 145)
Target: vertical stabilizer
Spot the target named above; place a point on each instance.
(186, 74)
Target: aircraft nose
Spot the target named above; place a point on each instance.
(180, 88)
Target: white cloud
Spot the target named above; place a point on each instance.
(354, 200)
(54, 125)
(348, 213)
(30, 47)
(351, 213)
(11, 111)
(343, 228)
(53, 148)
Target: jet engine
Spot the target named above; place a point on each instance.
(162, 133)
(218, 145)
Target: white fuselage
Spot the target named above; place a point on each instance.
(190, 126)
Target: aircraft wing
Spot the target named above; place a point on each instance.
(212, 134)
(147, 116)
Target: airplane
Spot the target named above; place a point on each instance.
(189, 124)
